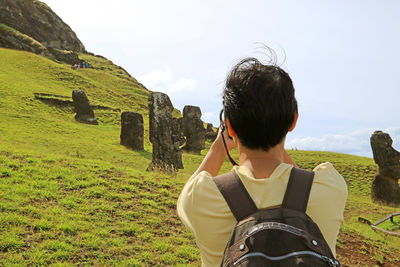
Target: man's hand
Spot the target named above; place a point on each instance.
(215, 157)
(230, 143)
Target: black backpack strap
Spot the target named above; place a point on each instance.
(298, 189)
(236, 195)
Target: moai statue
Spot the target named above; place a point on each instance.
(84, 112)
(132, 130)
(385, 186)
(193, 129)
(167, 155)
(210, 134)
(177, 135)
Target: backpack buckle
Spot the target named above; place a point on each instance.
(331, 262)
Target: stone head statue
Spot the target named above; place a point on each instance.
(161, 103)
(387, 158)
(192, 112)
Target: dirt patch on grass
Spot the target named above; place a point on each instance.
(353, 250)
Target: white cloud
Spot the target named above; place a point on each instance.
(356, 142)
(156, 78)
(181, 85)
(209, 116)
(162, 80)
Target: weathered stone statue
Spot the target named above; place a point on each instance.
(177, 132)
(210, 134)
(84, 112)
(193, 129)
(385, 186)
(132, 130)
(209, 127)
(167, 155)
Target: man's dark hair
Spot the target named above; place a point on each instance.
(259, 102)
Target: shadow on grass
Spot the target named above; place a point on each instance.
(146, 154)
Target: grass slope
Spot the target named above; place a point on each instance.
(70, 194)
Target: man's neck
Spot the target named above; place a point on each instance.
(260, 162)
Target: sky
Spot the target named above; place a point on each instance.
(342, 56)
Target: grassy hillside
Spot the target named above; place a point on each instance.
(70, 194)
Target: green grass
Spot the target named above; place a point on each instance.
(71, 194)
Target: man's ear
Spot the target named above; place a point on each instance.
(231, 132)
(296, 116)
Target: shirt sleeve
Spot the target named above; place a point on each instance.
(186, 202)
(327, 201)
(201, 205)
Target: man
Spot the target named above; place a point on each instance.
(260, 109)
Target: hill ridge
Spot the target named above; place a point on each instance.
(37, 20)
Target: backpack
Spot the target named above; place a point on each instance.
(284, 236)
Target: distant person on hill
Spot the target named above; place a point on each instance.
(260, 109)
